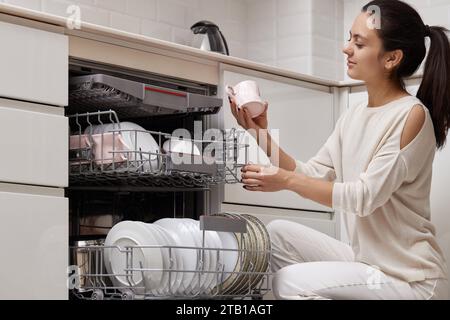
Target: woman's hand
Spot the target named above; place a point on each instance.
(245, 120)
(266, 178)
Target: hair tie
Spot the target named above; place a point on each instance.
(427, 31)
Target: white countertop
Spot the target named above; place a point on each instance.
(160, 44)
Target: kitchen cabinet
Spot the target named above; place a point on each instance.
(34, 238)
(301, 115)
(33, 64)
(34, 143)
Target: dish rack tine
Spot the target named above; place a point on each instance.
(77, 121)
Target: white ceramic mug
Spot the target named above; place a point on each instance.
(246, 95)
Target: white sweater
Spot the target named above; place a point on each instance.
(383, 192)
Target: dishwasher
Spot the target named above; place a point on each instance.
(147, 168)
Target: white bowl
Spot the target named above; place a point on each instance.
(175, 145)
(137, 140)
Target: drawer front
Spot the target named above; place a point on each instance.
(320, 221)
(34, 254)
(34, 65)
(34, 147)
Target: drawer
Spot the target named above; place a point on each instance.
(34, 65)
(34, 238)
(34, 146)
(321, 221)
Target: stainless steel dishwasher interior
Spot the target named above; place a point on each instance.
(99, 199)
(94, 210)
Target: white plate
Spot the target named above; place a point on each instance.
(196, 286)
(189, 256)
(166, 240)
(129, 233)
(212, 241)
(174, 241)
(230, 258)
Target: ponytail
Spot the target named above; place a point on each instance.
(434, 91)
(403, 28)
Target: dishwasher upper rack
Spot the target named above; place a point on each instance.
(132, 99)
(250, 279)
(136, 168)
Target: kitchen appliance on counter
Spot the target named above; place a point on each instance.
(119, 171)
(207, 36)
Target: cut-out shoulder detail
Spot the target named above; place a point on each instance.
(413, 125)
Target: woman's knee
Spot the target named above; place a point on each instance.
(293, 283)
(275, 227)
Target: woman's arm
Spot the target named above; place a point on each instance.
(272, 179)
(278, 157)
(257, 128)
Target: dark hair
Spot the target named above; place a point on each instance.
(402, 28)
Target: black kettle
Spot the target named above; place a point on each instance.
(209, 37)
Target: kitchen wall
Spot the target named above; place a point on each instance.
(168, 20)
(300, 35)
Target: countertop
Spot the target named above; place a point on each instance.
(51, 19)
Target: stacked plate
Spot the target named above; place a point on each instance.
(172, 257)
(253, 257)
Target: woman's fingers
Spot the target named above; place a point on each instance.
(233, 107)
(248, 119)
(251, 175)
(251, 182)
(252, 168)
(241, 118)
(249, 188)
(266, 106)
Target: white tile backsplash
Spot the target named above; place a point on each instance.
(125, 22)
(157, 30)
(114, 5)
(141, 8)
(262, 51)
(301, 35)
(293, 7)
(299, 24)
(30, 4)
(292, 47)
(56, 7)
(171, 13)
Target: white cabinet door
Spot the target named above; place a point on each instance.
(304, 120)
(33, 65)
(34, 240)
(34, 147)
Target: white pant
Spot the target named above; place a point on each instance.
(311, 265)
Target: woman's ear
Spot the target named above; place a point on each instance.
(393, 59)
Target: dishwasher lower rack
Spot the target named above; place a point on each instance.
(106, 152)
(212, 278)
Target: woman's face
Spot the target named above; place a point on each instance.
(363, 50)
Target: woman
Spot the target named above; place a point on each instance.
(375, 168)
